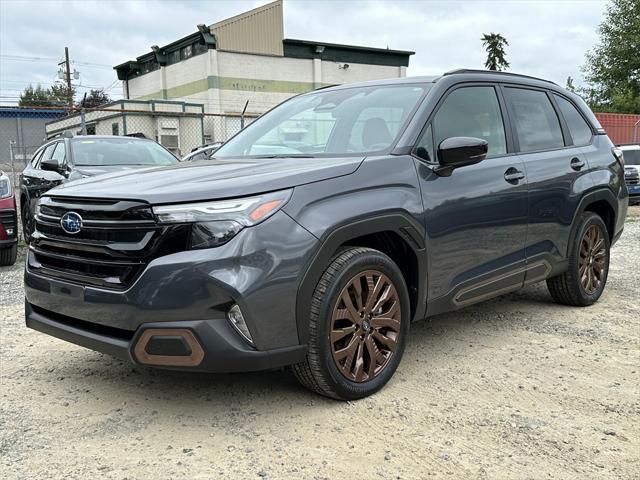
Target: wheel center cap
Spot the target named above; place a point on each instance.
(365, 325)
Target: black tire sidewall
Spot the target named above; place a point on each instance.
(370, 260)
(26, 215)
(591, 219)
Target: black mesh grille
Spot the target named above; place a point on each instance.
(117, 240)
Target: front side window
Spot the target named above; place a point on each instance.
(47, 153)
(349, 121)
(119, 151)
(578, 128)
(536, 121)
(471, 112)
(59, 153)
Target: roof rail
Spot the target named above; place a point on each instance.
(494, 72)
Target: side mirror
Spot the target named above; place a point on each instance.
(456, 152)
(50, 165)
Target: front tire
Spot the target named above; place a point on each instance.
(27, 222)
(358, 327)
(584, 281)
(8, 255)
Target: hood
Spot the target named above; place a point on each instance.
(208, 179)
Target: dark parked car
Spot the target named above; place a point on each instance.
(631, 154)
(66, 159)
(324, 228)
(8, 222)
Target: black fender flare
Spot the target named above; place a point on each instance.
(399, 222)
(588, 198)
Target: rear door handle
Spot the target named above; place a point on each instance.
(576, 163)
(513, 175)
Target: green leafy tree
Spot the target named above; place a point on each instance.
(95, 98)
(570, 86)
(612, 69)
(61, 94)
(494, 43)
(35, 97)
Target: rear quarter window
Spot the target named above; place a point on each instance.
(578, 128)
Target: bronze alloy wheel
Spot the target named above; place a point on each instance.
(593, 259)
(365, 326)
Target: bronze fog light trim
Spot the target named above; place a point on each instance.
(192, 360)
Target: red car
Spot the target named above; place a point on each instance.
(8, 222)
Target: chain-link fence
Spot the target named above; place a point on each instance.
(179, 126)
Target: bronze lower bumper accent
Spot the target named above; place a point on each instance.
(191, 358)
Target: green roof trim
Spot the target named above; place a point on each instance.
(335, 52)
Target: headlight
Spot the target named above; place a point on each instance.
(215, 223)
(5, 186)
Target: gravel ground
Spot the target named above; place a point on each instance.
(516, 387)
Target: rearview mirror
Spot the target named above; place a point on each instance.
(456, 152)
(50, 165)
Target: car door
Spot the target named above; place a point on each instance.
(476, 218)
(35, 180)
(557, 173)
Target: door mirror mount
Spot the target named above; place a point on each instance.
(456, 152)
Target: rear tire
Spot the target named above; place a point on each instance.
(360, 306)
(8, 255)
(584, 281)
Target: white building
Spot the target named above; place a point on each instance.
(247, 59)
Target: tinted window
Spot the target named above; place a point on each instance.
(344, 122)
(59, 153)
(536, 121)
(471, 112)
(425, 146)
(119, 151)
(578, 128)
(36, 158)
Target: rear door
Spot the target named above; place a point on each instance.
(476, 219)
(556, 169)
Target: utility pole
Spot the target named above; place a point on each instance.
(68, 69)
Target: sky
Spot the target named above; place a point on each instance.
(548, 39)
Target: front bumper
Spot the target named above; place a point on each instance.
(192, 290)
(224, 351)
(634, 191)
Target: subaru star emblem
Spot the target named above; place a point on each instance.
(71, 222)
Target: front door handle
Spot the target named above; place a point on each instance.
(576, 163)
(513, 175)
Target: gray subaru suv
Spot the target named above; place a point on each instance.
(320, 232)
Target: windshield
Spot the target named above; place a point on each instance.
(99, 152)
(350, 121)
(631, 157)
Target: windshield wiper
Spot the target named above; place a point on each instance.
(284, 155)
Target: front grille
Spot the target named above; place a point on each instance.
(631, 176)
(8, 220)
(117, 240)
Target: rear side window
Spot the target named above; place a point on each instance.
(536, 121)
(471, 112)
(578, 128)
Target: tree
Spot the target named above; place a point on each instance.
(570, 86)
(95, 99)
(61, 94)
(612, 69)
(494, 43)
(35, 97)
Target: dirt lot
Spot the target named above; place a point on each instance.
(516, 387)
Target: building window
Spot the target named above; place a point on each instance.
(199, 48)
(91, 129)
(186, 52)
(115, 129)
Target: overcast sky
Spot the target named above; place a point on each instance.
(546, 38)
